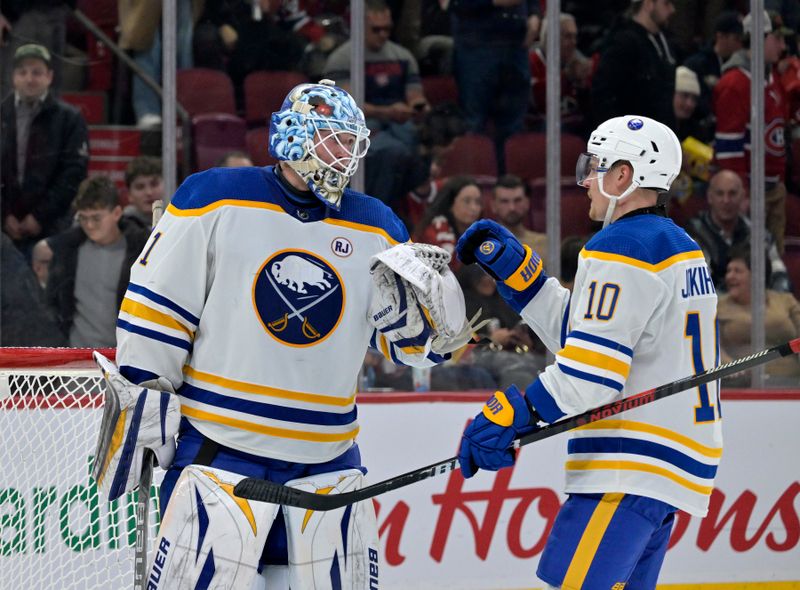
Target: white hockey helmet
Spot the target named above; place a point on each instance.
(310, 116)
(652, 149)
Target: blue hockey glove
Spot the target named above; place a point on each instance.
(485, 442)
(504, 258)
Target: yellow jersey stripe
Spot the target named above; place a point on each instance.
(590, 540)
(596, 359)
(198, 211)
(269, 430)
(243, 386)
(145, 312)
(712, 452)
(362, 227)
(607, 256)
(637, 466)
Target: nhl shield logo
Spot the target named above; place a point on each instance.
(298, 297)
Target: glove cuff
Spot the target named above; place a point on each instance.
(527, 272)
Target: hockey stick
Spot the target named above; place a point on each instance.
(268, 491)
(142, 521)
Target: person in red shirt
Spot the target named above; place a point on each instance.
(731, 104)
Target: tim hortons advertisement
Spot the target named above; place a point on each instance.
(484, 533)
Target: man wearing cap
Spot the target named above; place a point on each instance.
(44, 151)
(731, 104)
(707, 63)
(636, 72)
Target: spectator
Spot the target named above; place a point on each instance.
(510, 358)
(511, 206)
(393, 103)
(684, 105)
(145, 182)
(454, 209)
(25, 320)
(707, 63)
(490, 63)
(576, 70)
(91, 265)
(731, 105)
(636, 71)
(419, 198)
(140, 32)
(571, 247)
(781, 320)
(235, 159)
(723, 227)
(43, 22)
(40, 262)
(44, 152)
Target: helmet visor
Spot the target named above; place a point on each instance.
(339, 145)
(587, 168)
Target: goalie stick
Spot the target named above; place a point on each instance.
(268, 491)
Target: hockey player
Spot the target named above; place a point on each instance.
(253, 302)
(642, 313)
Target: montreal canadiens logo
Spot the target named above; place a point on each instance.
(299, 297)
(635, 124)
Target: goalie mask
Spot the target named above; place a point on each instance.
(651, 148)
(321, 134)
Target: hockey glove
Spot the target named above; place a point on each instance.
(485, 442)
(505, 258)
(135, 418)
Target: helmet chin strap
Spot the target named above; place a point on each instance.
(612, 199)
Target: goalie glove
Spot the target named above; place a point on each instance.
(421, 272)
(135, 418)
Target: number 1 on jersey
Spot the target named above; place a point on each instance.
(705, 411)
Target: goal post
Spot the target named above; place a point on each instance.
(56, 529)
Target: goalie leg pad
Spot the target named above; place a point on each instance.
(336, 548)
(208, 537)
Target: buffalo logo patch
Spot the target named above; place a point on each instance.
(298, 297)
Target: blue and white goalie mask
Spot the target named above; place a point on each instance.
(320, 132)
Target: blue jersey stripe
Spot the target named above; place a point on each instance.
(544, 403)
(263, 410)
(645, 448)
(590, 377)
(161, 300)
(601, 341)
(136, 375)
(153, 335)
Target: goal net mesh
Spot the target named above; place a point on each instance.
(56, 529)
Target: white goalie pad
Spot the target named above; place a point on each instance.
(135, 418)
(208, 537)
(336, 548)
(424, 270)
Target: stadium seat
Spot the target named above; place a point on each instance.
(440, 89)
(216, 134)
(470, 154)
(258, 146)
(264, 92)
(574, 209)
(201, 90)
(525, 155)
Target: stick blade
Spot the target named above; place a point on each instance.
(261, 490)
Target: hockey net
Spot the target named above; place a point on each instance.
(56, 529)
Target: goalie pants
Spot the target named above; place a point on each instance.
(607, 541)
(190, 443)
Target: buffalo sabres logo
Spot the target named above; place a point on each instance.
(487, 247)
(299, 297)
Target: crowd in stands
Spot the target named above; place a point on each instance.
(455, 101)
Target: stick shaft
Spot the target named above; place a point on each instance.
(267, 491)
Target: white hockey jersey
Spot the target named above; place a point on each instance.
(256, 311)
(642, 313)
